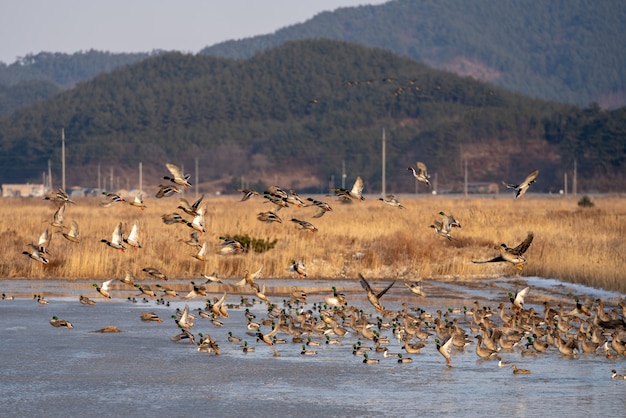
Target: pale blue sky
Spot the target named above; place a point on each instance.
(32, 26)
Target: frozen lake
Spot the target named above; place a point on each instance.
(48, 371)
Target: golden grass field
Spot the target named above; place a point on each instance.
(574, 244)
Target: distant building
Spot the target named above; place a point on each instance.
(483, 188)
(23, 190)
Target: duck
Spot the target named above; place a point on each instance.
(44, 242)
(111, 198)
(185, 321)
(268, 217)
(36, 255)
(128, 279)
(512, 255)
(322, 207)
(117, 239)
(133, 238)
(308, 352)
(104, 288)
(72, 234)
(522, 188)
(420, 173)
(60, 323)
(299, 268)
(337, 299)
(355, 193)
(59, 196)
(484, 352)
(193, 240)
(86, 301)
(450, 220)
(519, 371)
(246, 348)
(304, 225)
(402, 359)
(58, 217)
(617, 376)
(137, 202)
(230, 246)
(177, 175)
(150, 317)
(368, 360)
(250, 278)
(415, 288)
(166, 191)
(518, 299)
(190, 209)
(268, 337)
(156, 273)
(374, 298)
(173, 218)
(184, 335)
(442, 228)
(145, 290)
(198, 221)
(391, 200)
(444, 350)
(201, 254)
(167, 290)
(501, 363)
(247, 194)
(213, 278)
(219, 309)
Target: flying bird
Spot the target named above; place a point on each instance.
(522, 188)
(177, 175)
(355, 193)
(374, 298)
(117, 239)
(420, 173)
(512, 255)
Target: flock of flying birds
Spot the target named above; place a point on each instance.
(496, 330)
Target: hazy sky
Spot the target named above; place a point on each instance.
(32, 26)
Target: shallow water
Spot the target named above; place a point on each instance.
(49, 371)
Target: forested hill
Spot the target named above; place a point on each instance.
(563, 50)
(294, 114)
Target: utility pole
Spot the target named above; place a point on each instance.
(343, 174)
(383, 167)
(140, 177)
(465, 180)
(197, 179)
(575, 180)
(99, 180)
(565, 180)
(49, 175)
(63, 158)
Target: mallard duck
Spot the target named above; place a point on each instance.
(442, 228)
(299, 268)
(247, 194)
(133, 238)
(193, 240)
(355, 193)
(374, 298)
(449, 220)
(138, 201)
(184, 335)
(104, 288)
(337, 299)
(520, 189)
(111, 198)
(44, 242)
(420, 173)
(128, 278)
(190, 209)
(166, 191)
(269, 217)
(185, 320)
(213, 278)
(230, 246)
(391, 201)
(156, 273)
(247, 348)
(512, 255)
(249, 278)
(219, 309)
(201, 254)
(34, 254)
(86, 301)
(415, 288)
(150, 317)
(167, 290)
(72, 234)
(402, 359)
(117, 239)
(57, 219)
(198, 221)
(294, 199)
(304, 225)
(145, 290)
(57, 323)
(518, 299)
(173, 218)
(268, 337)
(519, 371)
(308, 352)
(177, 176)
(59, 196)
(323, 207)
(368, 360)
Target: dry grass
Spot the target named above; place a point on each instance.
(573, 244)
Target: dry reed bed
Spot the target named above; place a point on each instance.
(581, 245)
